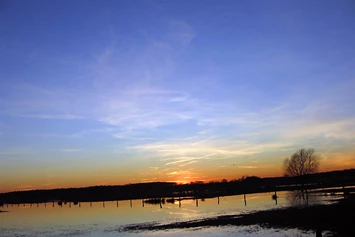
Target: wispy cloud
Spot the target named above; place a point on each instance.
(34, 101)
(182, 31)
(70, 150)
(148, 108)
(15, 151)
(182, 153)
(25, 187)
(248, 167)
(79, 134)
(53, 116)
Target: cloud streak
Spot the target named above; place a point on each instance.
(53, 116)
(70, 150)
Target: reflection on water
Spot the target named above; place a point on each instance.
(305, 197)
(301, 197)
(106, 218)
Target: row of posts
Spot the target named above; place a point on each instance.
(131, 205)
(274, 197)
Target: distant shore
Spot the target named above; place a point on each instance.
(336, 218)
(171, 190)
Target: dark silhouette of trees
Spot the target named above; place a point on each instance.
(245, 185)
(302, 163)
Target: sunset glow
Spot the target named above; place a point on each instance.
(116, 92)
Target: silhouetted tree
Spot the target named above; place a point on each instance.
(303, 162)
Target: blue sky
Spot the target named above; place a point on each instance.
(106, 92)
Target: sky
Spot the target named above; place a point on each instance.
(116, 92)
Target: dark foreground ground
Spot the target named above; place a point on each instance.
(339, 218)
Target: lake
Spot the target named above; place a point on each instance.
(107, 218)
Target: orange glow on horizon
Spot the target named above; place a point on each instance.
(331, 163)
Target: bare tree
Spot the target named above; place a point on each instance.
(301, 163)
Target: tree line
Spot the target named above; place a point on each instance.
(300, 171)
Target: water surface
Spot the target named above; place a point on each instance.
(107, 218)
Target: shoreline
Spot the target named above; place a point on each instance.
(336, 218)
(331, 180)
(350, 189)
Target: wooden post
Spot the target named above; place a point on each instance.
(103, 203)
(142, 202)
(218, 200)
(345, 193)
(130, 202)
(179, 202)
(90, 204)
(245, 200)
(196, 202)
(69, 204)
(52, 205)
